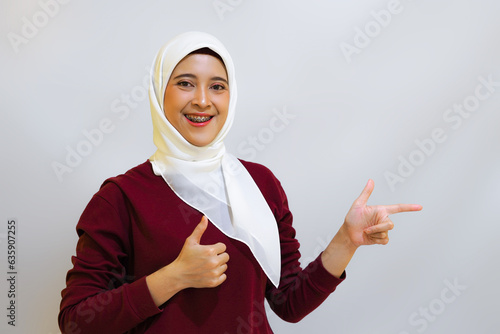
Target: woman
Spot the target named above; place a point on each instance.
(193, 240)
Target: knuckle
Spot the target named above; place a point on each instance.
(213, 262)
(213, 282)
(211, 251)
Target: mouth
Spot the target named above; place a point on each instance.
(198, 120)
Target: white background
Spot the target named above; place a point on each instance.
(356, 117)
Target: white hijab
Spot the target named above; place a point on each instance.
(208, 178)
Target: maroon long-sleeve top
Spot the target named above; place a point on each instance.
(135, 225)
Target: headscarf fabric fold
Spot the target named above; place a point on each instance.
(208, 178)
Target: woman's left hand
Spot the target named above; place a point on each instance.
(368, 225)
(363, 225)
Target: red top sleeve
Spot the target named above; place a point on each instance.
(100, 297)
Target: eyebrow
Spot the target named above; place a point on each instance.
(189, 75)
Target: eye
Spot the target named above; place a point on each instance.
(184, 84)
(218, 87)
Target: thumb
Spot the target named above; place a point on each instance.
(365, 194)
(195, 237)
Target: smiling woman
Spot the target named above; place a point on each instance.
(197, 97)
(166, 247)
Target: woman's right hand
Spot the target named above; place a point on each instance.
(201, 266)
(196, 266)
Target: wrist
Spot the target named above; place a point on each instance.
(338, 253)
(171, 275)
(164, 283)
(345, 240)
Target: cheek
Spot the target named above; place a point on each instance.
(223, 105)
(174, 102)
(170, 98)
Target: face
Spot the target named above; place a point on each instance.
(196, 99)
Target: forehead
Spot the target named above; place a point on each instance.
(200, 64)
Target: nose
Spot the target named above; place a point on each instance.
(201, 98)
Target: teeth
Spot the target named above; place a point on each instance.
(198, 119)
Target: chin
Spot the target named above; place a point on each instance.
(200, 142)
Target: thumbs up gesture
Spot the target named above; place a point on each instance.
(201, 266)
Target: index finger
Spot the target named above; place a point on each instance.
(396, 208)
(219, 248)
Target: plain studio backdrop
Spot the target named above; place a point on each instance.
(331, 93)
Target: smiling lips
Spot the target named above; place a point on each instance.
(197, 120)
